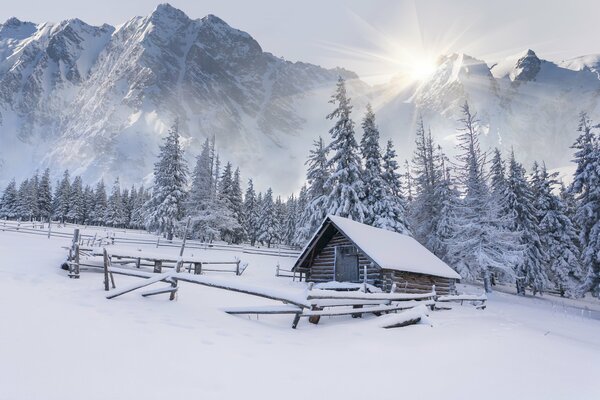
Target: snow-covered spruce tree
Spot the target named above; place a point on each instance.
(228, 196)
(201, 190)
(280, 213)
(8, 204)
(557, 234)
(374, 188)
(317, 175)
(423, 207)
(291, 220)
(114, 208)
(88, 195)
(267, 231)
(479, 246)
(166, 206)
(62, 198)
(497, 175)
(137, 212)
(393, 215)
(301, 205)
(44, 196)
(23, 210)
(251, 214)
(76, 211)
(586, 188)
(444, 205)
(32, 197)
(520, 209)
(236, 200)
(344, 186)
(100, 204)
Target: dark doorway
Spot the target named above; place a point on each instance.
(346, 264)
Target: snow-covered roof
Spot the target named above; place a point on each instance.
(392, 250)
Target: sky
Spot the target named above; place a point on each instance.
(375, 38)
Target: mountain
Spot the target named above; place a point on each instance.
(98, 100)
(523, 102)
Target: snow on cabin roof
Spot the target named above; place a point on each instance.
(392, 250)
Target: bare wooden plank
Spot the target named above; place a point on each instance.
(155, 292)
(147, 282)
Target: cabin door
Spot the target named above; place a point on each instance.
(346, 264)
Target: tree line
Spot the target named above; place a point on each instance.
(481, 212)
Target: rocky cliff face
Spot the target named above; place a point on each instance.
(98, 99)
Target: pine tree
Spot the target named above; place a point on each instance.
(523, 221)
(44, 197)
(8, 203)
(202, 178)
(100, 204)
(166, 206)
(89, 201)
(498, 175)
(76, 211)
(267, 231)
(479, 246)
(393, 211)
(291, 220)
(251, 214)
(586, 188)
(427, 176)
(317, 175)
(345, 186)
(557, 234)
(62, 197)
(114, 209)
(374, 191)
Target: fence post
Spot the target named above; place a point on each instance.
(157, 241)
(106, 288)
(49, 227)
(187, 225)
(237, 267)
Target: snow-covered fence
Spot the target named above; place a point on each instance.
(109, 237)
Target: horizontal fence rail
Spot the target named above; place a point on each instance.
(110, 237)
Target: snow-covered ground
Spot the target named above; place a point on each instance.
(62, 339)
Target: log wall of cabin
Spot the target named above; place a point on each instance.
(408, 282)
(322, 268)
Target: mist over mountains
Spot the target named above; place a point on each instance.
(98, 99)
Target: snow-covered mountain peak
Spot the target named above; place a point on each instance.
(521, 67)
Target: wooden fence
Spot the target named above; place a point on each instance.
(110, 237)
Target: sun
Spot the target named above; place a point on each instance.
(420, 69)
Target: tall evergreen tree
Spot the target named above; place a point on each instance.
(76, 211)
(114, 209)
(8, 203)
(317, 175)
(44, 197)
(345, 186)
(480, 246)
(557, 234)
(374, 190)
(62, 197)
(586, 188)
(251, 214)
(166, 206)
(100, 204)
(520, 208)
(393, 211)
(267, 231)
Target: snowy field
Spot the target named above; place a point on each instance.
(62, 339)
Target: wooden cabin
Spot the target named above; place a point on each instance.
(343, 250)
